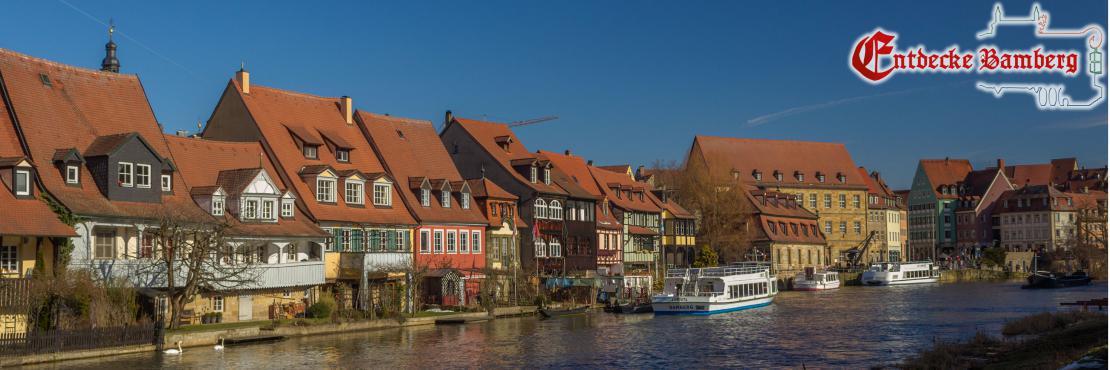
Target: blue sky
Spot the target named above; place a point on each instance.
(632, 82)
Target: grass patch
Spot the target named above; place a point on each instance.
(433, 313)
(1055, 339)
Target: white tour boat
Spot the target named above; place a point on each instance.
(707, 291)
(899, 273)
(816, 280)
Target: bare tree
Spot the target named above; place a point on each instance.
(1089, 242)
(192, 255)
(719, 202)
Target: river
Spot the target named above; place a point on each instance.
(851, 327)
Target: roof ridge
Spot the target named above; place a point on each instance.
(61, 65)
(770, 140)
(291, 92)
(392, 117)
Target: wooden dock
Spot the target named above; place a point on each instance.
(254, 339)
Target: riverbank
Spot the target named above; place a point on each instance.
(200, 336)
(1045, 340)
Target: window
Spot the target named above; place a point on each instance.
(540, 210)
(167, 183)
(541, 248)
(828, 227)
(218, 303)
(309, 151)
(325, 190)
(9, 260)
(124, 174)
(353, 192)
(286, 208)
(445, 198)
(425, 197)
(555, 210)
(383, 195)
(438, 242)
(217, 205)
(554, 248)
(828, 200)
(813, 201)
(843, 201)
(73, 176)
(267, 210)
(22, 182)
(476, 242)
(843, 227)
(532, 175)
(142, 175)
(857, 228)
(343, 155)
(451, 242)
(547, 176)
(250, 209)
(855, 201)
(105, 245)
(424, 242)
(464, 242)
(464, 199)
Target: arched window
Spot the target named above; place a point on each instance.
(540, 210)
(541, 248)
(556, 249)
(555, 210)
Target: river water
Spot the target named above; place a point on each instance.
(852, 327)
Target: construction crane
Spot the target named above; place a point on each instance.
(856, 254)
(532, 121)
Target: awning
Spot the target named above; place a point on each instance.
(640, 230)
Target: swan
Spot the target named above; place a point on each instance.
(174, 351)
(219, 347)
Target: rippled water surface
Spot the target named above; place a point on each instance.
(852, 327)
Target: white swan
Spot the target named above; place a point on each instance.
(174, 351)
(219, 347)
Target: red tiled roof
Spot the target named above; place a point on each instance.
(724, 155)
(487, 134)
(1030, 174)
(483, 188)
(606, 178)
(79, 106)
(788, 230)
(574, 167)
(411, 148)
(1061, 169)
(24, 216)
(640, 230)
(277, 112)
(208, 164)
(619, 168)
(945, 172)
(1057, 200)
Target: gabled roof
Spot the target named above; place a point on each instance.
(946, 172)
(79, 106)
(109, 144)
(1030, 174)
(278, 112)
(24, 216)
(489, 135)
(724, 155)
(411, 149)
(483, 188)
(69, 155)
(647, 203)
(574, 167)
(1056, 200)
(211, 166)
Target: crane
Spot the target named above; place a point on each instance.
(532, 121)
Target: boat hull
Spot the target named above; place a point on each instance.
(707, 308)
(806, 286)
(1043, 282)
(882, 282)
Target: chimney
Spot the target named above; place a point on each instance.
(566, 152)
(1001, 164)
(640, 171)
(244, 79)
(590, 162)
(182, 133)
(348, 112)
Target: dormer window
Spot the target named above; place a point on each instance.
(309, 151)
(426, 197)
(464, 200)
(325, 190)
(22, 182)
(757, 175)
(547, 176)
(798, 175)
(353, 192)
(735, 175)
(820, 177)
(142, 175)
(167, 183)
(73, 175)
(778, 175)
(217, 205)
(383, 194)
(287, 208)
(445, 199)
(532, 175)
(343, 155)
(267, 212)
(840, 177)
(125, 175)
(250, 209)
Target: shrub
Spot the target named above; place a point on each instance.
(323, 308)
(1044, 322)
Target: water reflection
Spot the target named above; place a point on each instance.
(853, 327)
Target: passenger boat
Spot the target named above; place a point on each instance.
(901, 273)
(707, 291)
(811, 280)
(1048, 280)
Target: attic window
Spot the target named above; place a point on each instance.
(778, 175)
(45, 80)
(343, 155)
(757, 175)
(547, 176)
(309, 151)
(840, 177)
(22, 182)
(73, 175)
(798, 175)
(532, 175)
(820, 177)
(400, 134)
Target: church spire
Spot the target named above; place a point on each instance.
(110, 62)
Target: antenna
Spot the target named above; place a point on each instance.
(532, 121)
